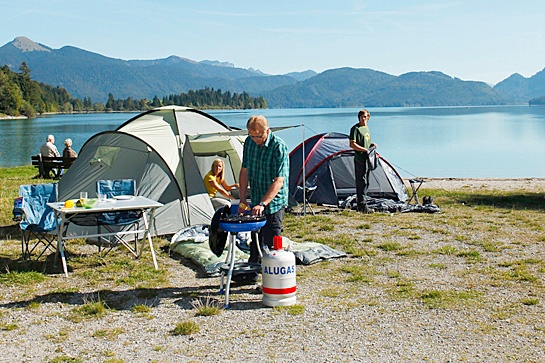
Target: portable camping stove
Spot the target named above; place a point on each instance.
(234, 224)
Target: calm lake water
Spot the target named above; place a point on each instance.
(479, 142)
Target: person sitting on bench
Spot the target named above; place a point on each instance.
(49, 149)
(68, 152)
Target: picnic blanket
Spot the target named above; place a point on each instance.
(192, 243)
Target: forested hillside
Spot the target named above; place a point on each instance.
(349, 87)
(22, 96)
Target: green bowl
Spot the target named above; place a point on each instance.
(90, 203)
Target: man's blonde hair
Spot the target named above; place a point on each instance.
(257, 122)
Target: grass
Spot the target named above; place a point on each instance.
(482, 253)
(93, 309)
(209, 307)
(186, 327)
(451, 299)
(109, 334)
(11, 278)
(295, 309)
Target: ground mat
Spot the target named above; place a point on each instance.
(192, 243)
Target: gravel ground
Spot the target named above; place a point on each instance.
(342, 321)
(491, 184)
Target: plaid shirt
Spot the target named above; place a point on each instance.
(264, 164)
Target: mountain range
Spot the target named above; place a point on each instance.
(88, 74)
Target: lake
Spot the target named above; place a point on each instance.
(441, 142)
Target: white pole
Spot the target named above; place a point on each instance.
(304, 180)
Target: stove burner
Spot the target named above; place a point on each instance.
(242, 223)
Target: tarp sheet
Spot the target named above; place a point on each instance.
(192, 243)
(389, 205)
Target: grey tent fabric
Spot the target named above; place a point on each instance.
(328, 163)
(155, 148)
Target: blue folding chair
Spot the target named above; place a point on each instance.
(38, 223)
(111, 220)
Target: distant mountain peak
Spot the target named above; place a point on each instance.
(177, 59)
(27, 45)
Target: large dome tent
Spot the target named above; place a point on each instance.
(156, 150)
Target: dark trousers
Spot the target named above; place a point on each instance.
(362, 181)
(272, 228)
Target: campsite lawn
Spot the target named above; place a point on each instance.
(475, 227)
(482, 255)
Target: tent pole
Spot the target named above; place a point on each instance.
(304, 181)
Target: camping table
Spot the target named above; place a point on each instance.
(146, 205)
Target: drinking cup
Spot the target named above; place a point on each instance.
(83, 195)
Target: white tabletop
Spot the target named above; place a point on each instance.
(137, 202)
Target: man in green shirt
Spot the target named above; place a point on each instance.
(265, 167)
(360, 142)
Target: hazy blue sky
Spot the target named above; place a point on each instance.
(483, 40)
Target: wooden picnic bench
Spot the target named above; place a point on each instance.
(46, 164)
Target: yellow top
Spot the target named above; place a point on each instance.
(210, 187)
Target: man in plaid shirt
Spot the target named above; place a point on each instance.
(265, 167)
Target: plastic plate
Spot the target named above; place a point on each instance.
(123, 197)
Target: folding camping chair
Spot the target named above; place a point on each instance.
(307, 194)
(111, 220)
(37, 220)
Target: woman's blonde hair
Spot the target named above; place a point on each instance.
(216, 162)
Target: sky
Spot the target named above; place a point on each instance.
(477, 40)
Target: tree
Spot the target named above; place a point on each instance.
(110, 104)
(27, 109)
(87, 103)
(30, 89)
(77, 105)
(156, 102)
(67, 108)
(10, 93)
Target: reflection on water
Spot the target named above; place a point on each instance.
(503, 141)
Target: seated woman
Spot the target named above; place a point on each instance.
(68, 152)
(217, 188)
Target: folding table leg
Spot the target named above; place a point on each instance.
(148, 235)
(60, 246)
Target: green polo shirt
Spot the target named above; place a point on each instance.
(264, 164)
(362, 137)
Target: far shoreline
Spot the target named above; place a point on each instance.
(44, 114)
(13, 117)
